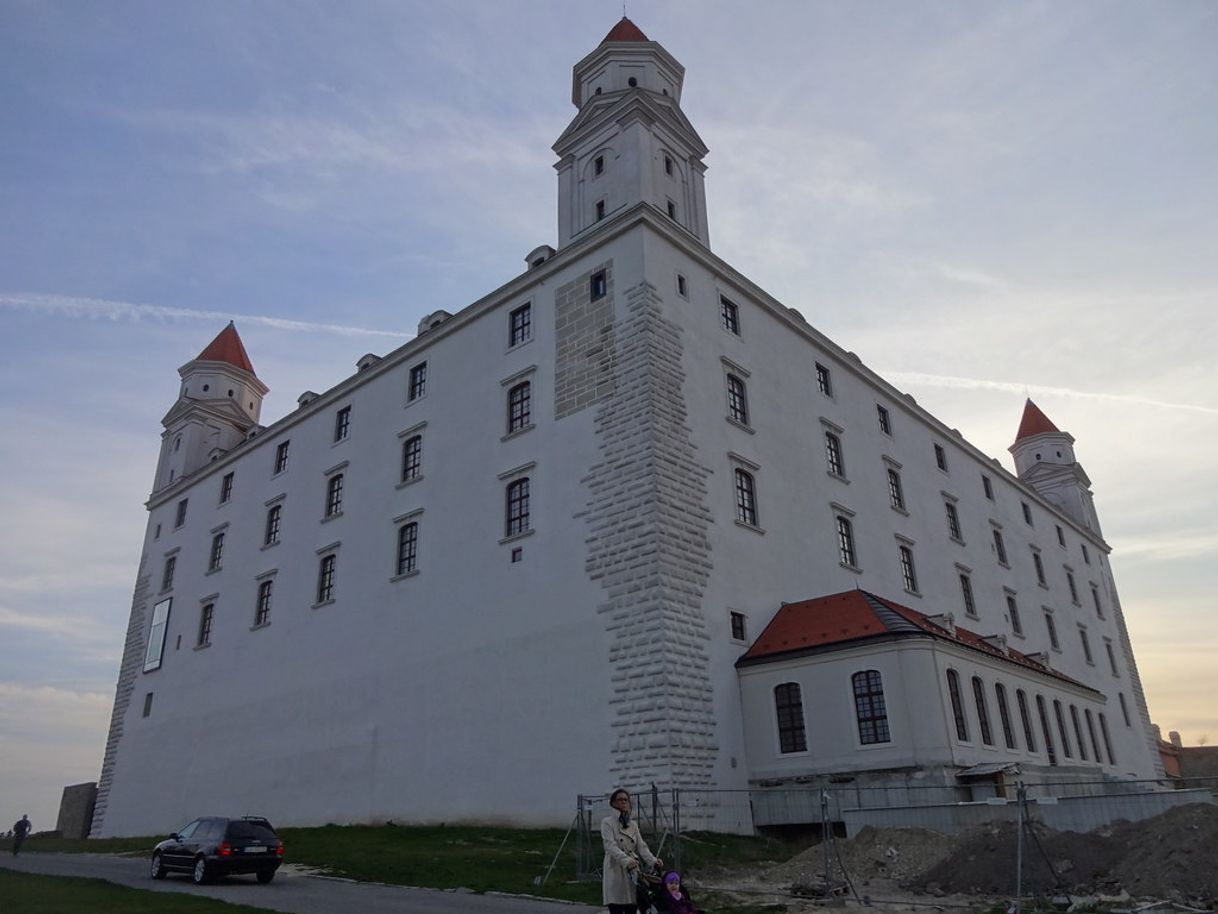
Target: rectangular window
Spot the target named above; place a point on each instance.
(1086, 553)
(737, 400)
(262, 611)
(953, 522)
(729, 314)
(1095, 598)
(1051, 628)
(682, 286)
(869, 709)
(667, 166)
(966, 592)
(1082, 634)
(896, 495)
(418, 382)
(746, 498)
(908, 572)
(1073, 588)
(737, 623)
(598, 285)
(412, 457)
(334, 495)
(1095, 746)
(845, 542)
(171, 564)
(226, 488)
(273, 515)
(147, 704)
(940, 457)
(1013, 614)
(672, 210)
(1112, 664)
(789, 706)
(824, 383)
(1124, 709)
(325, 578)
(520, 324)
(517, 507)
(180, 518)
(1107, 741)
(884, 419)
(600, 210)
(205, 615)
(408, 547)
(1061, 537)
(1000, 548)
(156, 635)
(833, 455)
(217, 552)
(987, 487)
(342, 423)
(598, 165)
(1040, 568)
(520, 408)
(281, 457)
(1027, 513)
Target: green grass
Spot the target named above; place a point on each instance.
(473, 857)
(25, 893)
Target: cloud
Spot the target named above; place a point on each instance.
(958, 383)
(77, 628)
(129, 311)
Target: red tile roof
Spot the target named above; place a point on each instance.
(1034, 422)
(625, 30)
(227, 347)
(857, 615)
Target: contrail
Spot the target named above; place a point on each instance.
(130, 311)
(934, 380)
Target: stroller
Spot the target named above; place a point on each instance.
(652, 897)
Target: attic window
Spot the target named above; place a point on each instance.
(597, 285)
(598, 90)
(206, 388)
(632, 82)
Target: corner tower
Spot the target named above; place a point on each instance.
(219, 401)
(1044, 459)
(630, 143)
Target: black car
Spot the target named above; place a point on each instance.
(211, 847)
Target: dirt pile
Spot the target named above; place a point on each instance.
(1172, 856)
(874, 853)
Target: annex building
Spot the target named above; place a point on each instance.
(626, 519)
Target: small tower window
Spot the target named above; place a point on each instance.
(632, 82)
(598, 164)
(600, 210)
(672, 210)
(667, 166)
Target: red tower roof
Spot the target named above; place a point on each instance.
(1034, 422)
(227, 347)
(625, 30)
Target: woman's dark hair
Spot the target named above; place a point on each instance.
(613, 796)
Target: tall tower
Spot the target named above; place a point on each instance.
(1044, 459)
(630, 142)
(219, 401)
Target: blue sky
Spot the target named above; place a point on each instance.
(983, 200)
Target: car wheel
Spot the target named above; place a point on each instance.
(265, 876)
(157, 870)
(199, 874)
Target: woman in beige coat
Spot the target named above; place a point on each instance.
(624, 848)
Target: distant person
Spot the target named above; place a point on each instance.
(20, 829)
(624, 850)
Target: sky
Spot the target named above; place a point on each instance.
(985, 200)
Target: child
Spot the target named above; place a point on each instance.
(674, 900)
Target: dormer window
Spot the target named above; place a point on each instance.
(598, 164)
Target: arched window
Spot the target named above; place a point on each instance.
(1044, 729)
(517, 507)
(1004, 714)
(737, 400)
(1029, 736)
(1095, 746)
(746, 498)
(412, 457)
(983, 712)
(953, 690)
(334, 495)
(520, 410)
(869, 708)
(789, 705)
(1078, 733)
(1107, 741)
(1061, 728)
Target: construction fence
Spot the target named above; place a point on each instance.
(666, 815)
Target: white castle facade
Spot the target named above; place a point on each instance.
(524, 555)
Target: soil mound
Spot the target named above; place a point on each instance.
(874, 853)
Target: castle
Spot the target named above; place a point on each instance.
(627, 519)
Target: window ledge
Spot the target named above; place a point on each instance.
(266, 546)
(411, 402)
(340, 441)
(900, 511)
(323, 603)
(202, 647)
(518, 432)
(854, 568)
(513, 347)
(838, 476)
(1019, 635)
(969, 615)
(740, 425)
(957, 540)
(258, 625)
(409, 482)
(404, 575)
(753, 527)
(330, 517)
(1042, 585)
(215, 570)
(517, 536)
(913, 593)
(1006, 565)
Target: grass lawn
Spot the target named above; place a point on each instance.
(473, 857)
(25, 893)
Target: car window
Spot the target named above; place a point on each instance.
(250, 830)
(189, 830)
(210, 830)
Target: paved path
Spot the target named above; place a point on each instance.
(290, 892)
